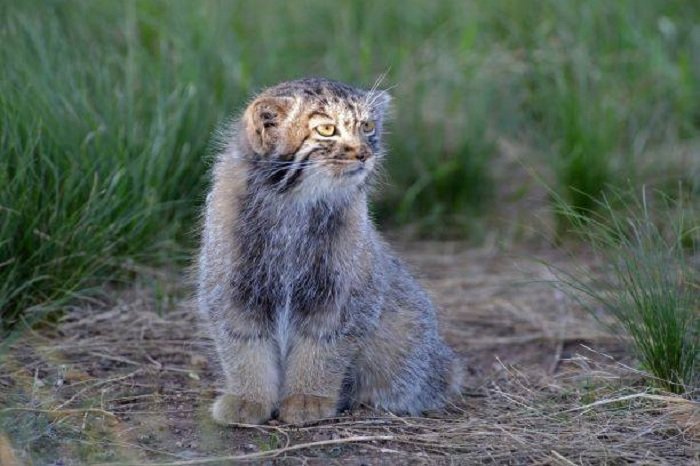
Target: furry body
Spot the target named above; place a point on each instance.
(309, 310)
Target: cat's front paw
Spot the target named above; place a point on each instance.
(232, 409)
(299, 408)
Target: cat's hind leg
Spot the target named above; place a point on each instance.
(406, 368)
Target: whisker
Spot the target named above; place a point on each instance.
(375, 86)
(274, 162)
(308, 168)
(376, 95)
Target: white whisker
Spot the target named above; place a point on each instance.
(370, 97)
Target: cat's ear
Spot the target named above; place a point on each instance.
(381, 102)
(263, 121)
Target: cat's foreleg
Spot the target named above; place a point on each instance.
(250, 364)
(313, 378)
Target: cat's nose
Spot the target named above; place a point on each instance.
(357, 153)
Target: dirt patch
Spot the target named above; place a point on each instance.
(133, 384)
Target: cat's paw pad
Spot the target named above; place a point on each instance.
(232, 409)
(297, 409)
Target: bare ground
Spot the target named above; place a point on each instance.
(545, 385)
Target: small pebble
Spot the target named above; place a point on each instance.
(250, 448)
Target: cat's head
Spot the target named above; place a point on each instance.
(315, 136)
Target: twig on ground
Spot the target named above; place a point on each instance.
(562, 458)
(669, 399)
(60, 411)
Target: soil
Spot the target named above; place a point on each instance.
(132, 382)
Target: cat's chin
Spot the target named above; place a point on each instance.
(337, 186)
(356, 171)
(352, 178)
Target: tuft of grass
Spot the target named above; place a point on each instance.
(102, 140)
(648, 283)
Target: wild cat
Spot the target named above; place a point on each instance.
(309, 310)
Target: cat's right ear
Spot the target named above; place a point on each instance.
(263, 121)
(382, 102)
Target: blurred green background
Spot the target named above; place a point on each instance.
(107, 111)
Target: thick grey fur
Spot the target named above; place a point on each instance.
(307, 264)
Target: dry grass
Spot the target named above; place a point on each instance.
(128, 385)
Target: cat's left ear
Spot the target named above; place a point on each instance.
(264, 121)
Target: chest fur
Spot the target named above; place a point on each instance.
(289, 260)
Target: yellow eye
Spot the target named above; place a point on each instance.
(368, 127)
(325, 130)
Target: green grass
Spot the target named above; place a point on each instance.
(107, 109)
(648, 283)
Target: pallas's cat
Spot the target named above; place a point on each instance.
(309, 309)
